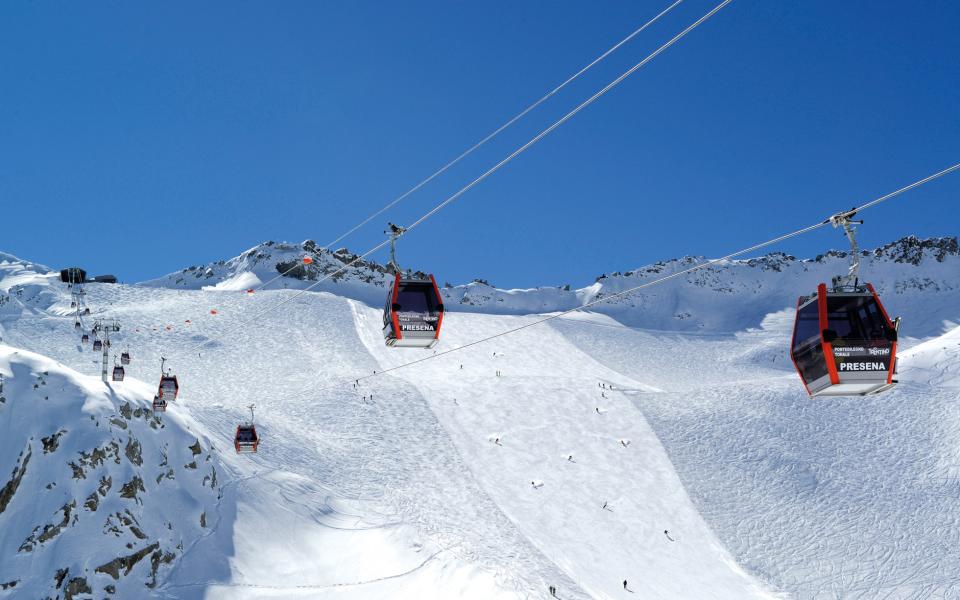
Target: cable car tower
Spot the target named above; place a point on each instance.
(79, 302)
(414, 309)
(103, 328)
(844, 343)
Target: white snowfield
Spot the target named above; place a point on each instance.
(687, 461)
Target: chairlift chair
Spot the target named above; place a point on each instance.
(413, 312)
(844, 342)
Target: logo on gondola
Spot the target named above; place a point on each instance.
(879, 351)
(863, 366)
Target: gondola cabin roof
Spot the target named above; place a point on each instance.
(844, 343)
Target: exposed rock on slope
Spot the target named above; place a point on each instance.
(115, 507)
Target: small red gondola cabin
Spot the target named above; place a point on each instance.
(169, 387)
(159, 404)
(414, 313)
(844, 343)
(246, 440)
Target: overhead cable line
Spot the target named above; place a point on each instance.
(489, 137)
(660, 280)
(493, 169)
(503, 127)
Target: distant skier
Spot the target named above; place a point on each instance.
(598, 410)
(624, 584)
(553, 590)
(570, 458)
(667, 533)
(497, 442)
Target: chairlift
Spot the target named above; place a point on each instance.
(844, 342)
(246, 439)
(413, 312)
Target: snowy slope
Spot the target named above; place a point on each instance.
(399, 488)
(102, 493)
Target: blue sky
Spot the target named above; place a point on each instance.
(140, 138)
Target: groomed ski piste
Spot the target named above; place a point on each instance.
(666, 441)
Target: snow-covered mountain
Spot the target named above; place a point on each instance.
(727, 296)
(664, 440)
(102, 493)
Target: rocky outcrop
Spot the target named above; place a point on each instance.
(126, 563)
(8, 490)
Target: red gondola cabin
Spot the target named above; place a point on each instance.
(246, 440)
(169, 387)
(844, 343)
(413, 313)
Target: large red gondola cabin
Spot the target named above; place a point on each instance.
(844, 343)
(414, 313)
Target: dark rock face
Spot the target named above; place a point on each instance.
(8, 490)
(52, 442)
(132, 488)
(132, 452)
(51, 530)
(126, 563)
(912, 249)
(75, 587)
